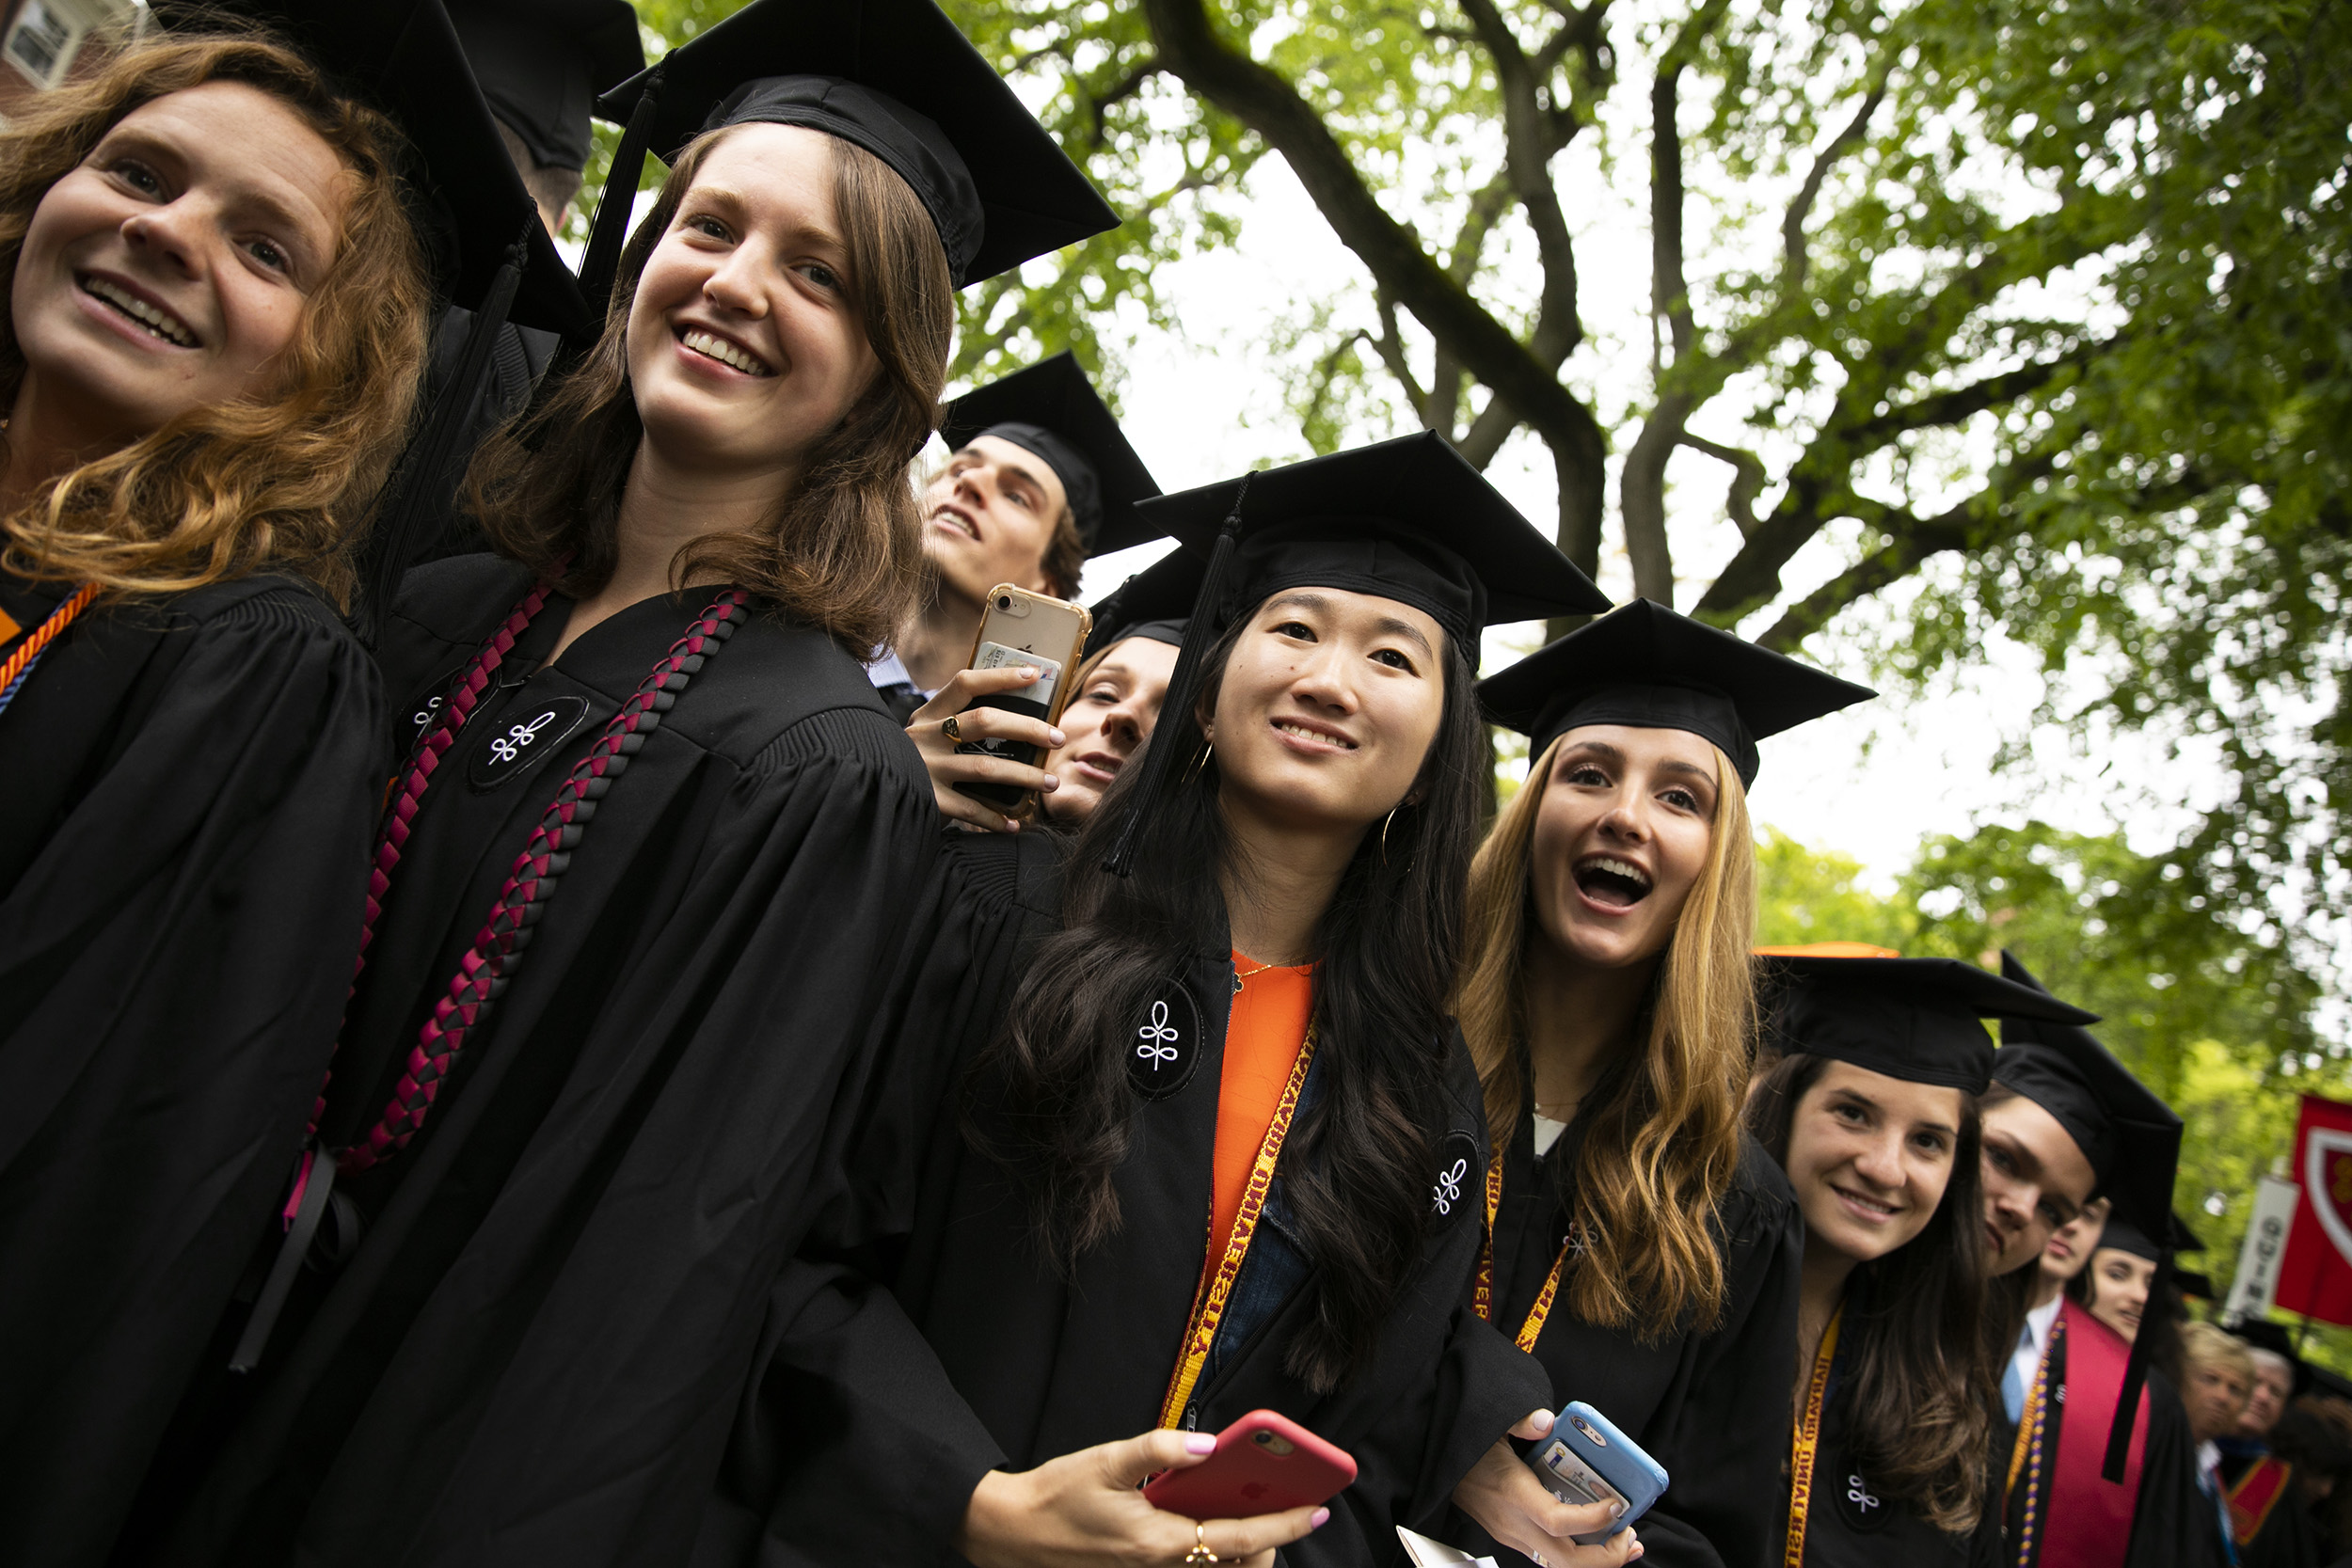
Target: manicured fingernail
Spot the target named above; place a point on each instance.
(1616, 1510)
(1321, 1515)
(1199, 1442)
(1635, 1554)
(1028, 672)
(1058, 738)
(1053, 781)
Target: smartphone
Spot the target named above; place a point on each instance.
(1050, 635)
(1586, 1460)
(1263, 1464)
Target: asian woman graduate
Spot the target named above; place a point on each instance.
(2094, 1459)
(217, 304)
(1641, 1247)
(1222, 1153)
(1872, 1112)
(650, 854)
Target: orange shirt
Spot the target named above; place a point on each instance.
(1264, 1029)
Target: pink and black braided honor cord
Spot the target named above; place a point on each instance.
(497, 952)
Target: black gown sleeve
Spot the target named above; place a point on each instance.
(2174, 1524)
(852, 1445)
(174, 956)
(1725, 1503)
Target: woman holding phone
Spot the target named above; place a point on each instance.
(1223, 1152)
(1872, 1114)
(651, 853)
(1640, 1246)
(217, 323)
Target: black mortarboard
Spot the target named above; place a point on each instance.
(2131, 1138)
(2127, 1236)
(891, 76)
(1154, 602)
(1914, 1019)
(403, 57)
(1407, 519)
(1052, 410)
(1649, 668)
(541, 64)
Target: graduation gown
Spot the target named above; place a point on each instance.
(1848, 1525)
(534, 1353)
(2171, 1522)
(187, 798)
(1035, 1366)
(1711, 1408)
(2268, 1519)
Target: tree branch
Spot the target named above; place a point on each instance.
(1268, 105)
(1793, 260)
(1748, 479)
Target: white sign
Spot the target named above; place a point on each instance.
(2257, 1280)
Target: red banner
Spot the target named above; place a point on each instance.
(2315, 1272)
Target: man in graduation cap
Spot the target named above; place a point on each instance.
(2097, 1465)
(1038, 479)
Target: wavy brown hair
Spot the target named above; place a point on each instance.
(1918, 1396)
(844, 550)
(1663, 1126)
(285, 483)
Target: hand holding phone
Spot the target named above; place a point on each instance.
(1586, 1460)
(1263, 1464)
(1048, 635)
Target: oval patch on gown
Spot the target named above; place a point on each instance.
(1861, 1507)
(1460, 1182)
(526, 732)
(1167, 1044)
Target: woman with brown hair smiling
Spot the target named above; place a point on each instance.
(217, 304)
(647, 861)
(1640, 1246)
(1872, 1114)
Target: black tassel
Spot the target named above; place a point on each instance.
(1183, 687)
(610, 227)
(419, 491)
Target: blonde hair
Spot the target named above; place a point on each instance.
(1663, 1127)
(287, 482)
(2203, 1345)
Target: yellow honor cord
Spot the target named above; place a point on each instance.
(1804, 1441)
(1482, 1299)
(1208, 1306)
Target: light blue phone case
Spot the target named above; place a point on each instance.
(1590, 1438)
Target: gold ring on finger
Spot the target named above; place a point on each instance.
(1201, 1552)
(948, 728)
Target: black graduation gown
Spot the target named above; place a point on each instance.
(188, 791)
(1035, 1366)
(2288, 1538)
(1848, 1525)
(2174, 1525)
(535, 1351)
(1711, 1408)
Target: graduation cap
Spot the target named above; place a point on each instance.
(1649, 668)
(891, 76)
(480, 229)
(1053, 412)
(541, 64)
(2131, 1138)
(1913, 1018)
(1407, 519)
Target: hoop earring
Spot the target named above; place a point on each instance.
(1201, 761)
(1384, 831)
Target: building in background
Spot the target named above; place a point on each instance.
(41, 40)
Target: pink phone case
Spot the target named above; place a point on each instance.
(1263, 1464)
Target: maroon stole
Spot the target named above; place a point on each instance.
(2090, 1518)
(2255, 1495)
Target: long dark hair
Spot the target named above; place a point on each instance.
(1053, 1091)
(1917, 1389)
